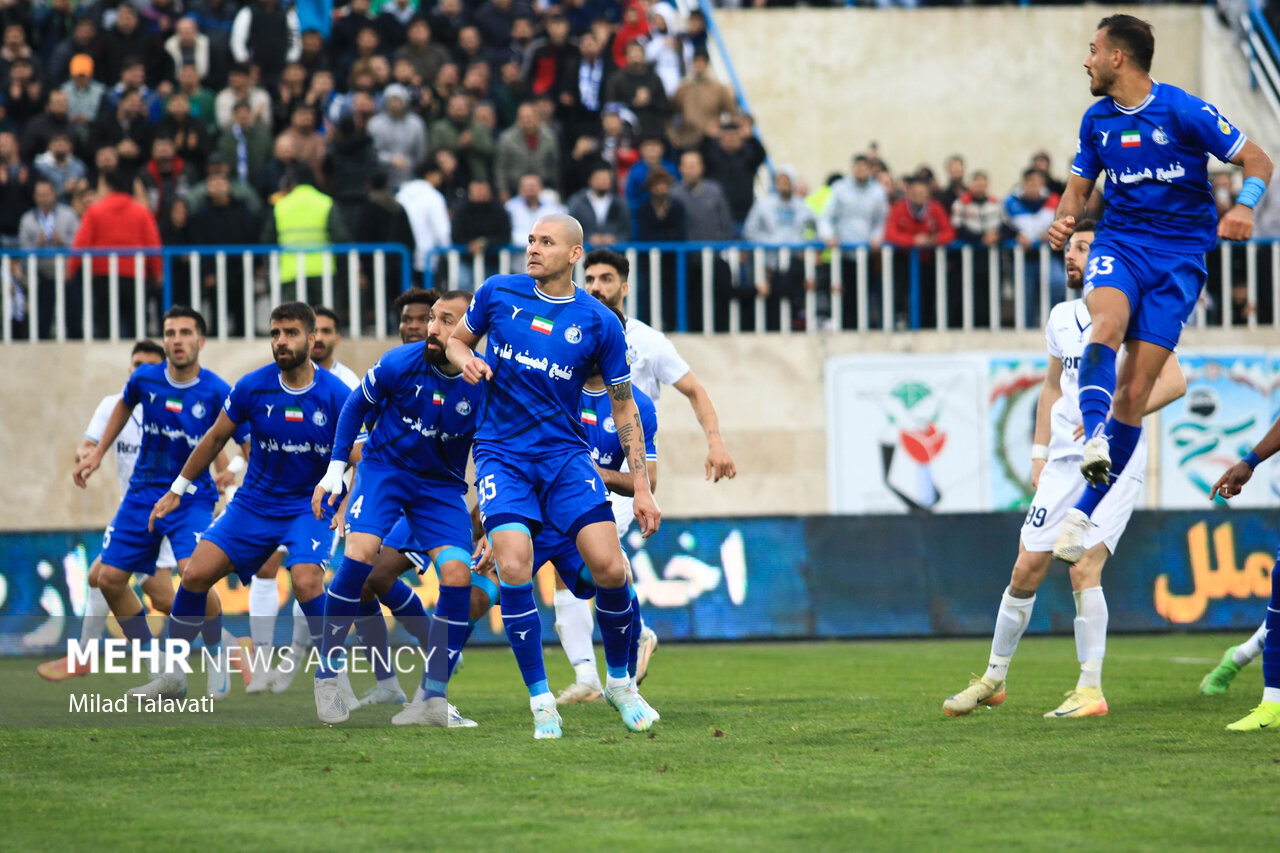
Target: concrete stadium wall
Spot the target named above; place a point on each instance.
(768, 389)
(992, 84)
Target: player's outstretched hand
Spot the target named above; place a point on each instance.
(330, 484)
(647, 513)
(86, 467)
(720, 464)
(167, 504)
(1230, 483)
(482, 556)
(1060, 232)
(476, 371)
(1237, 224)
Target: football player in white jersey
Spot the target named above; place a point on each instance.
(654, 363)
(158, 587)
(1055, 474)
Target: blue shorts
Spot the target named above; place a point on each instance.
(563, 492)
(249, 538)
(555, 548)
(435, 513)
(399, 539)
(1162, 287)
(128, 545)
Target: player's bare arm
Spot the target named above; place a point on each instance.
(209, 448)
(1237, 223)
(86, 466)
(719, 463)
(460, 349)
(1049, 394)
(1070, 208)
(631, 436)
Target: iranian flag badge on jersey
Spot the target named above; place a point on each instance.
(173, 404)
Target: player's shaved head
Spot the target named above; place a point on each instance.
(571, 228)
(555, 245)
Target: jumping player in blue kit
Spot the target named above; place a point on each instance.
(533, 464)
(291, 410)
(1146, 267)
(414, 462)
(180, 401)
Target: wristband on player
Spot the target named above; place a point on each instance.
(1251, 192)
(1039, 451)
(1252, 460)
(180, 485)
(237, 465)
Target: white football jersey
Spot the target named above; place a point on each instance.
(128, 442)
(654, 360)
(346, 374)
(1067, 334)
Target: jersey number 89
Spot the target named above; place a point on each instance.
(1035, 517)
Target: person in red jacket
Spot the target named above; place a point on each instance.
(916, 224)
(117, 220)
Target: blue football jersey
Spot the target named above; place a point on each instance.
(175, 416)
(425, 418)
(290, 437)
(542, 350)
(602, 432)
(1156, 160)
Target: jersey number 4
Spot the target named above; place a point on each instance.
(354, 509)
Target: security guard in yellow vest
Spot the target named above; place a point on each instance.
(303, 216)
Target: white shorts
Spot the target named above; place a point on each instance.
(166, 560)
(623, 515)
(1061, 485)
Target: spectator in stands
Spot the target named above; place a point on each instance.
(54, 23)
(241, 191)
(1040, 160)
(1029, 211)
(191, 139)
(215, 18)
(447, 20)
(481, 224)
(857, 209)
(640, 90)
(955, 186)
(133, 78)
(266, 36)
(15, 189)
(308, 144)
(605, 217)
(85, 40)
(527, 147)
(652, 157)
(188, 46)
(14, 47)
(428, 214)
(53, 121)
(394, 19)
(166, 176)
(470, 142)
(51, 225)
(978, 218)
(116, 220)
(284, 154)
(451, 181)
(781, 217)
(617, 145)
(291, 93)
(303, 216)
(663, 48)
(241, 90)
(202, 101)
(399, 136)
(349, 161)
(127, 129)
(426, 56)
(224, 219)
(528, 205)
(550, 58)
(581, 88)
(495, 19)
(347, 24)
(84, 94)
(61, 168)
(703, 200)
(129, 40)
(699, 103)
(733, 157)
(175, 230)
(24, 94)
(661, 218)
(246, 144)
(916, 225)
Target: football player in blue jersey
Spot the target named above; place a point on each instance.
(414, 462)
(1146, 267)
(180, 401)
(290, 408)
(533, 464)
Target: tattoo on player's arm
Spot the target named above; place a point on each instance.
(619, 392)
(633, 450)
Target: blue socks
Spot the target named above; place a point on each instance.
(314, 611)
(615, 616)
(187, 616)
(136, 628)
(448, 632)
(211, 632)
(1123, 441)
(524, 630)
(371, 628)
(1271, 645)
(1097, 386)
(341, 605)
(633, 651)
(405, 605)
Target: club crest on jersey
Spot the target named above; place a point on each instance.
(318, 418)
(1159, 137)
(573, 334)
(609, 425)
(463, 407)
(198, 410)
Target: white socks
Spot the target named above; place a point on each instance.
(1091, 635)
(575, 624)
(301, 633)
(1246, 651)
(1271, 694)
(95, 617)
(1011, 620)
(263, 606)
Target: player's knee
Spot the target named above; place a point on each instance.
(612, 573)
(198, 578)
(307, 582)
(1109, 329)
(455, 573)
(1087, 573)
(362, 547)
(113, 581)
(93, 575)
(1027, 576)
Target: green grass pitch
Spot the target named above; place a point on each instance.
(814, 746)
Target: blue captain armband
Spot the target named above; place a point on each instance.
(1251, 192)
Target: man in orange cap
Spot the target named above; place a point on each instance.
(84, 94)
